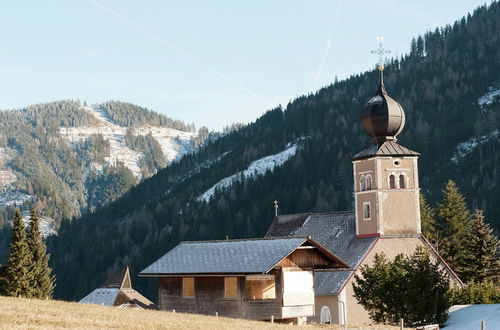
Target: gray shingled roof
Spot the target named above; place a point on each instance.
(387, 148)
(101, 296)
(335, 231)
(255, 256)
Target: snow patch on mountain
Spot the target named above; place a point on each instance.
(14, 198)
(489, 97)
(17, 199)
(256, 168)
(47, 225)
(465, 148)
(174, 143)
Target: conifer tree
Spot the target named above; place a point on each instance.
(428, 221)
(2, 280)
(484, 262)
(455, 228)
(42, 281)
(388, 289)
(18, 261)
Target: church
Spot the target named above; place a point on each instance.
(214, 277)
(386, 217)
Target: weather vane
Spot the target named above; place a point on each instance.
(380, 51)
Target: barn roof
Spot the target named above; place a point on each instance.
(249, 256)
(336, 231)
(101, 296)
(117, 291)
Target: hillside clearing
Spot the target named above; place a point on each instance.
(20, 313)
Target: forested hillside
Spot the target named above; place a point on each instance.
(448, 85)
(67, 159)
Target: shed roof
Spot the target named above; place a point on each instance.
(387, 148)
(117, 291)
(250, 256)
(336, 231)
(101, 296)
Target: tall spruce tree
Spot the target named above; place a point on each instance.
(483, 262)
(428, 221)
(42, 281)
(455, 228)
(18, 271)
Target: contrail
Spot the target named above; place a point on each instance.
(179, 51)
(328, 42)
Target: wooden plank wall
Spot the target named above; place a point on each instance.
(209, 299)
(261, 309)
(304, 259)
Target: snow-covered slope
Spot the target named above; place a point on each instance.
(47, 225)
(174, 143)
(465, 148)
(256, 168)
(489, 97)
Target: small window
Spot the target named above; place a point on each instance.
(259, 287)
(362, 183)
(368, 182)
(230, 287)
(396, 162)
(366, 211)
(402, 184)
(188, 286)
(392, 182)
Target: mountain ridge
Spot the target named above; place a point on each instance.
(439, 83)
(67, 159)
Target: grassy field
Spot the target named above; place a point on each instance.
(19, 313)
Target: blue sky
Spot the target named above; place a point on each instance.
(208, 62)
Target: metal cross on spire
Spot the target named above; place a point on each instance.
(380, 51)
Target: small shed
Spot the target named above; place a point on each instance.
(260, 279)
(118, 292)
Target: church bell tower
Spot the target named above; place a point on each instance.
(386, 189)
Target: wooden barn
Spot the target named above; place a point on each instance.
(260, 279)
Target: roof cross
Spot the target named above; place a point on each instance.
(380, 51)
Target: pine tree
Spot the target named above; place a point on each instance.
(455, 228)
(387, 289)
(18, 261)
(42, 281)
(3, 280)
(484, 246)
(428, 221)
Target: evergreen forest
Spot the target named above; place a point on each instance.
(446, 84)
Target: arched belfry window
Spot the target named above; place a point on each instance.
(402, 183)
(368, 183)
(392, 181)
(362, 185)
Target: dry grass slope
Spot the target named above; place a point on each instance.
(20, 313)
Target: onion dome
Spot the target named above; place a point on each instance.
(382, 117)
